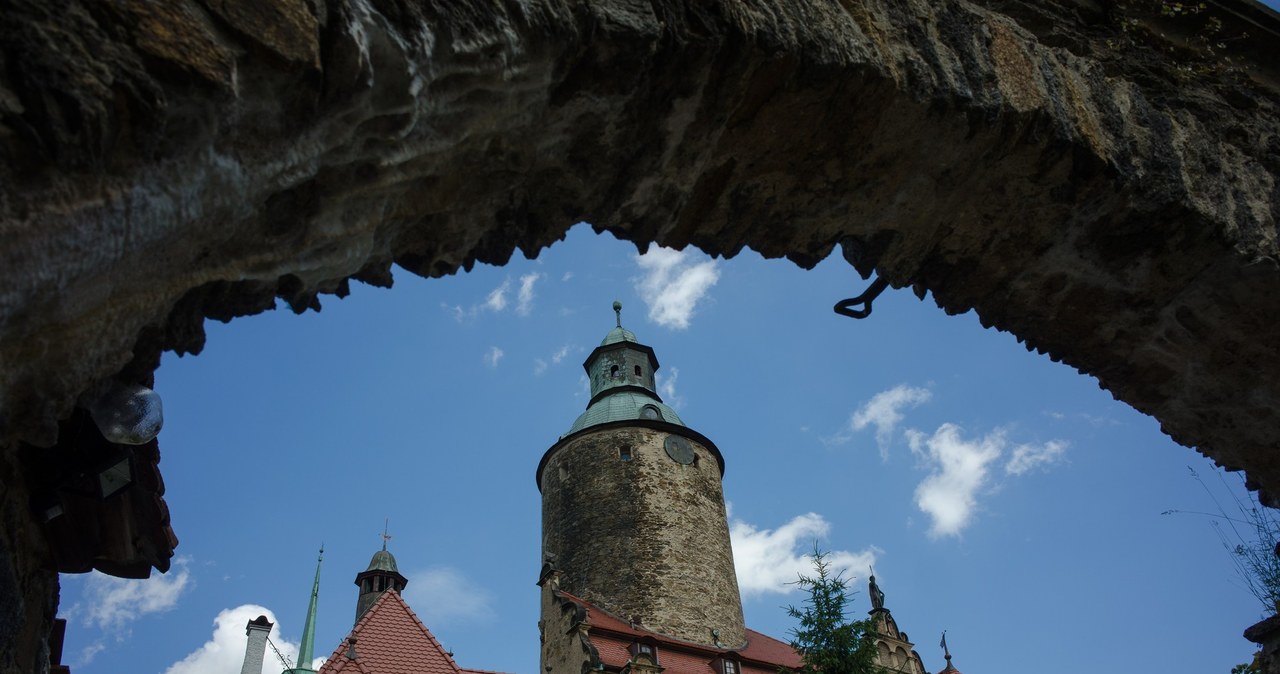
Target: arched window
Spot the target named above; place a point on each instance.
(638, 371)
(613, 372)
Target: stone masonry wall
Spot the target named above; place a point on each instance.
(645, 539)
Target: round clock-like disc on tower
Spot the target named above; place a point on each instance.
(679, 449)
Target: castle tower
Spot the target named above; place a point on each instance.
(382, 575)
(633, 514)
(894, 651)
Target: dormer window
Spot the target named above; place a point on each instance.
(639, 648)
(729, 666)
(651, 413)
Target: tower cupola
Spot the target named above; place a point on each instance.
(622, 373)
(382, 575)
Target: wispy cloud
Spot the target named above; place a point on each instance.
(770, 560)
(1026, 458)
(524, 298)
(224, 651)
(884, 412)
(111, 603)
(667, 387)
(451, 596)
(540, 365)
(497, 299)
(492, 356)
(958, 469)
(672, 283)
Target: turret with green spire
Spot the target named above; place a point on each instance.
(306, 650)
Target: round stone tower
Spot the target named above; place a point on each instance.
(633, 513)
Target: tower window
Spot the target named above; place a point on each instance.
(625, 453)
(650, 412)
(613, 372)
(637, 370)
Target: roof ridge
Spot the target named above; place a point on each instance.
(448, 656)
(339, 650)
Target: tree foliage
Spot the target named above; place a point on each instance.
(825, 638)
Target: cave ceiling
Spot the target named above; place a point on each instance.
(1089, 180)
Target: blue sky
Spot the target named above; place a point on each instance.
(1002, 497)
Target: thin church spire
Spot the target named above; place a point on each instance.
(306, 650)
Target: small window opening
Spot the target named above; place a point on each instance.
(730, 667)
(625, 453)
(613, 372)
(637, 370)
(645, 649)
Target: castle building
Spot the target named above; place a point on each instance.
(638, 569)
(638, 574)
(894, 651)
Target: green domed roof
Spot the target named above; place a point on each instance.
(623, 406)
(383, 561)
(619, 334)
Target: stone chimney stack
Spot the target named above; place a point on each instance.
(257, 629)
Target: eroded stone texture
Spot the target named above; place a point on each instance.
(1109, 199)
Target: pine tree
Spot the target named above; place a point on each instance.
(826, 639)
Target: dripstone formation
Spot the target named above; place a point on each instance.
(1080, 173)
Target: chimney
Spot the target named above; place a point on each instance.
(256, 647)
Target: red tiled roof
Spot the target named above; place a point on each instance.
(391, 640)
(612, 637)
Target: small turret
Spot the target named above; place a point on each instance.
(382, 575)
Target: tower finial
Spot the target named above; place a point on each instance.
(385, 536)
(945, 651)
(617, 310)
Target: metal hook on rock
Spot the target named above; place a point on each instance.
(845, 307)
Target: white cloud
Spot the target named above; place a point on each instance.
(492, 357)
(958, 470)
(560, 355)
(769, 561)
(884, 411)
(667, 387)
(113, 603)
(567, 275)
(497, 300)
(443, 595)
(672, 285)
(539, 366)
(1029, 457)
(459, 314)
(524, 298)
(224, 651)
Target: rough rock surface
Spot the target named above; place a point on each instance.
(1108, 196)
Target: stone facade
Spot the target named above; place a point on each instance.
(640, 535)
(894, 651)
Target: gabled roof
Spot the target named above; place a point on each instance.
(612, 636)
(391, 640)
